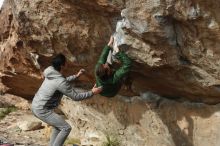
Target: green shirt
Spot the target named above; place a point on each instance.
(112, 85)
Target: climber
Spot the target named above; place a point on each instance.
(49, 95)
(106, 77)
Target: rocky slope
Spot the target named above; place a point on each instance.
(152, 121)
(138, 122)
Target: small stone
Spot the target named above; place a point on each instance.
(121, 132)
(29, 125)
(13, 126)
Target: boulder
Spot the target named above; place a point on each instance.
(29, 125)
(142, 123)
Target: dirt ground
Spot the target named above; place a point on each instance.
(11, 133)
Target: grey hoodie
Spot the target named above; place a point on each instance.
(52, 89)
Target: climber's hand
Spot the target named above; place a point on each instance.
(116, 49)
(96, 90)
(111, 41)
(81, 71)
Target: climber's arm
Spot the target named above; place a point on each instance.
(124, 69)
(105, 52)
(104, 55)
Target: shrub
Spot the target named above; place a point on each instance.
(111, 141)
(5, 111)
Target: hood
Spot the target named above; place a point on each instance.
(50, 72)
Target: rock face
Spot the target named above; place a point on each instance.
(173, 44)
(31, 33)
(176, 43)
(138, 122)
